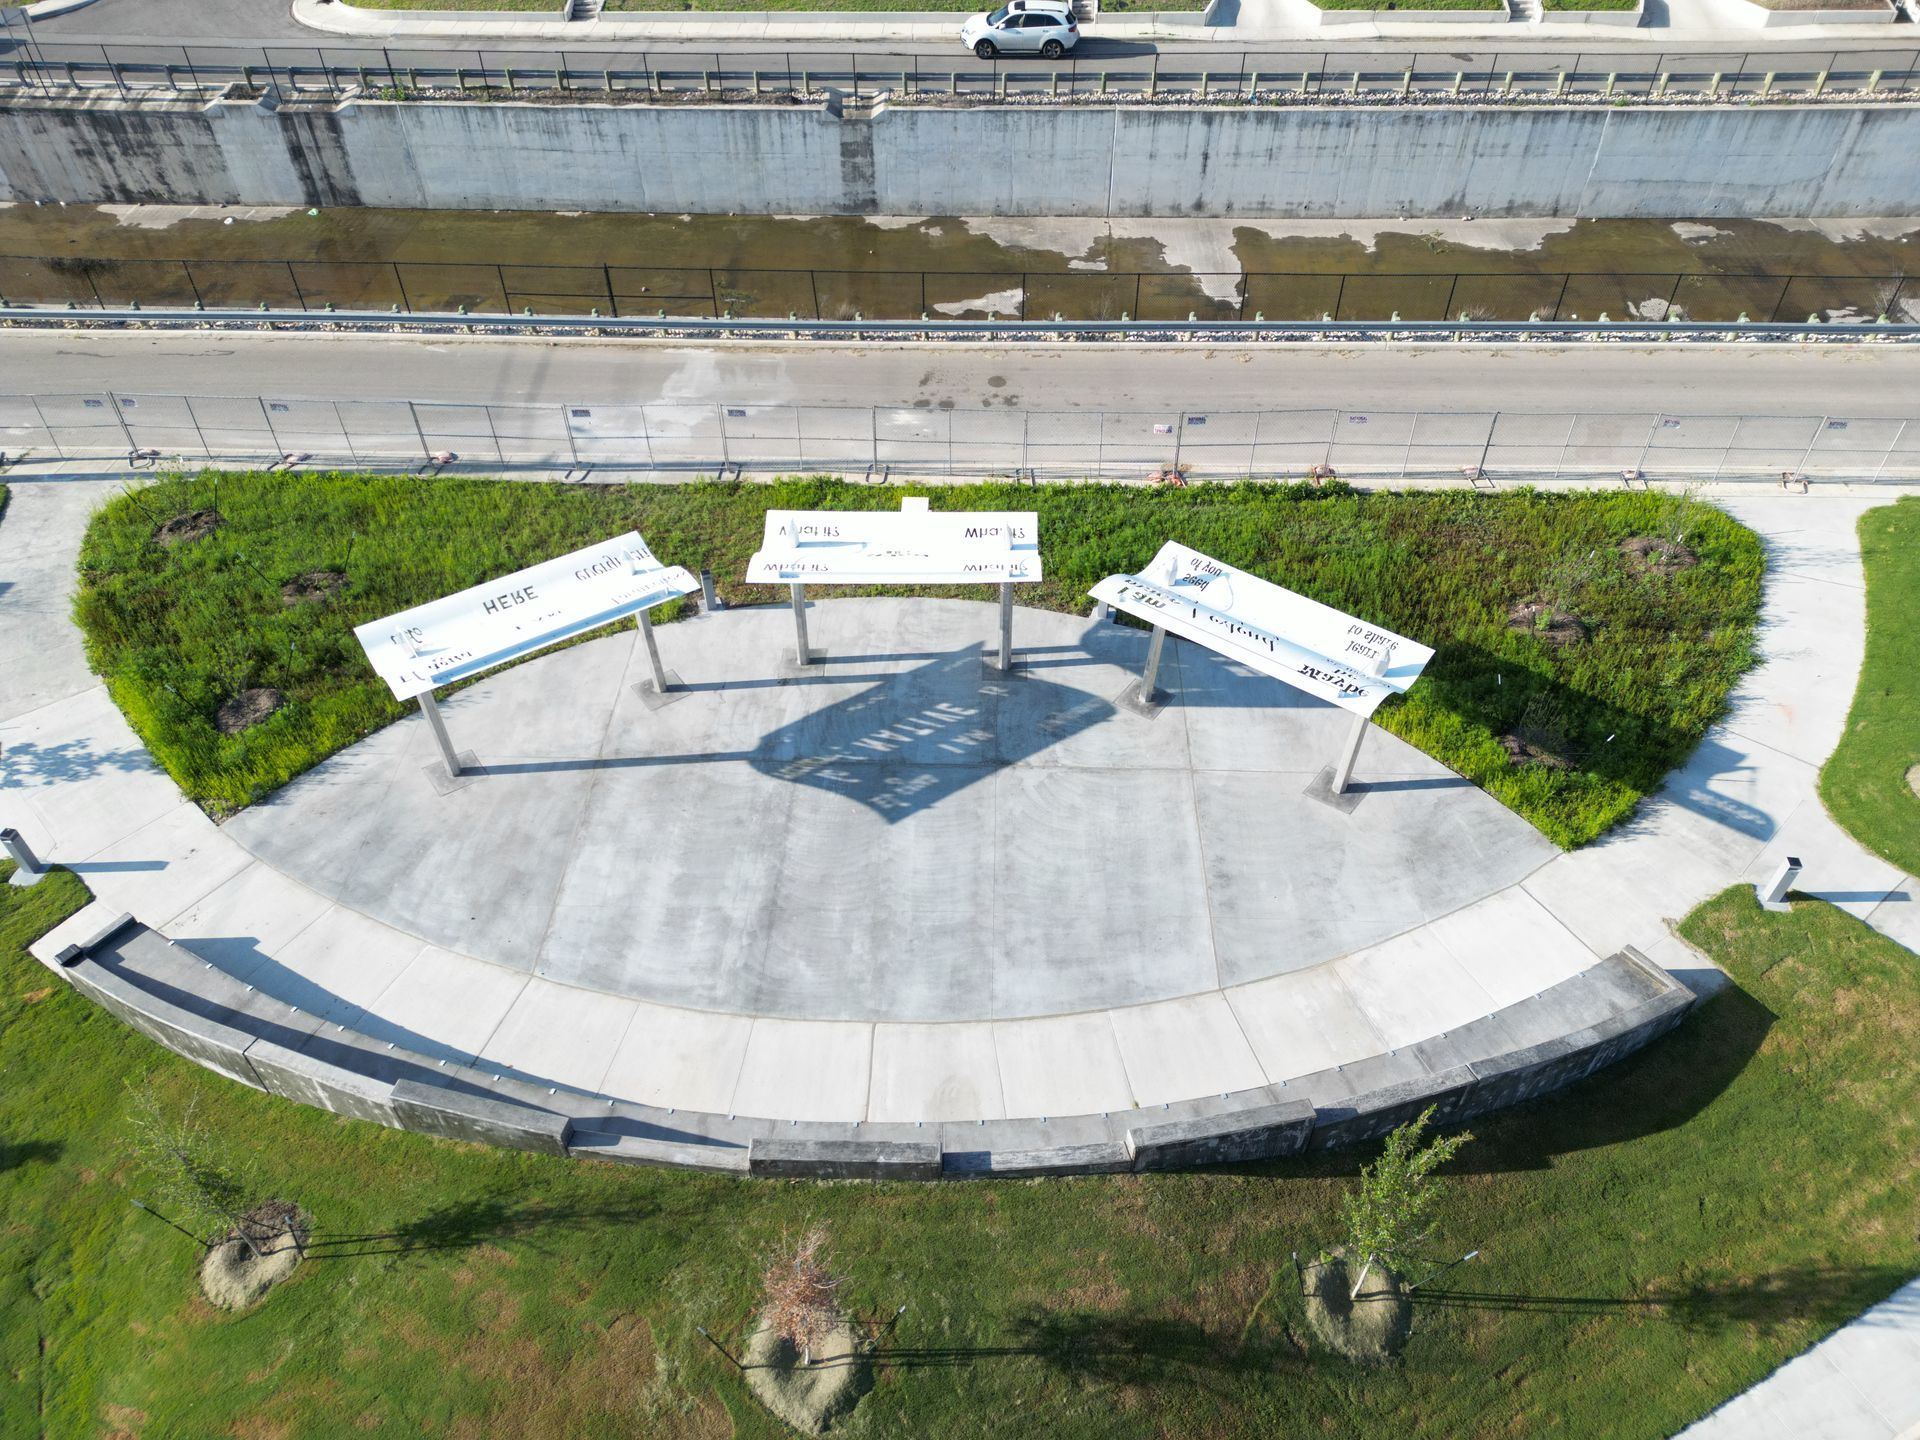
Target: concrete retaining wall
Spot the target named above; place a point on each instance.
(1747, 160)
(159, 990)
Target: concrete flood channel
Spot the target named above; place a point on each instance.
(960, 268)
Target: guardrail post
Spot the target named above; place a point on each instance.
(1819, 83)
(1406, 83)
(1560, 85)
(1873, 82)
(1766, 86)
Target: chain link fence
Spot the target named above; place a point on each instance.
(484, 288)
(882, 442)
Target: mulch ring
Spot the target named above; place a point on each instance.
(1651, 555)
(320, 585)
(813, 1396)
(187, 528)
(247, 709)
(1368, 1329)
(235, 1275)
(1537, 617)
(1526, 749)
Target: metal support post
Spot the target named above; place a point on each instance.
(709, 597)
(29, 868)
(430, 708)
(802, 654)
(1006, 628)
(1343, 768)
(644, 630)
(1151, 674)
(665, 687)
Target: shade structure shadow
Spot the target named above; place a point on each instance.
(915, 738)
(1661, 1088)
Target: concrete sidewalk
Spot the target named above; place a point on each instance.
(1860, 1383)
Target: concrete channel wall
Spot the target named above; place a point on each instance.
(162, 991)
(1747, 160)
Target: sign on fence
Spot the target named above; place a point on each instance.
(460, 635)
(913, 545)
(1326, 653)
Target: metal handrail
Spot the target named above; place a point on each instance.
(1853, 332)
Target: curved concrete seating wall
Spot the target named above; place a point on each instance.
(1595, 1018)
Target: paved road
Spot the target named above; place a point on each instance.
(216, 23)
(1727, 380)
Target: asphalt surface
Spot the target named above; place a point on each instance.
(216, 24)
(1743, 379)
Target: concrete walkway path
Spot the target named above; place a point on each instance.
(1861, 1383)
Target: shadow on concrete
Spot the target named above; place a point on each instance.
(1764, 1303)
(240, 959)
(27, 763)
(112, 867)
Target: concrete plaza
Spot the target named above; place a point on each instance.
(898, 833)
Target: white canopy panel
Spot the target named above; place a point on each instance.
(1313, 647)
(459, 635)
(910, 546)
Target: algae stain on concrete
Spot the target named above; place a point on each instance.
(904, 266)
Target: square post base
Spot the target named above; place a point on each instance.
(445, 784)
(1135, 700)
(1320, 788)
(655, 698)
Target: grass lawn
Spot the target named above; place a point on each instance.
(1607, 708)
(1864, 782)
(1590, 4)
(955, 7)
(1653, 1241)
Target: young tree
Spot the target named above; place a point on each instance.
(181, 1161)
(1387, 1217)
(803, 1293)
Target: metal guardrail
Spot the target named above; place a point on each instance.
(1319, 75)
(997, 331)
(882, 442)
(820, 294)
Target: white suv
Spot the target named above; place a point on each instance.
(1023, 27)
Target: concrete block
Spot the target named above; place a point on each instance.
(220, 1048)
(1370, 1115)
(480, 1119)
(316, 1080)
(844, 1160)
(1263, 1133)
(106, 932)
(1099, 1157)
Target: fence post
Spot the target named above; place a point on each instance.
(1640, 465)
(52, 439)
(426, 450)
(1892, 445)
(1818, 431)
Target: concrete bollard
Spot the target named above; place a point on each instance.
(1773, 894)
(15, 844)
(709, 597)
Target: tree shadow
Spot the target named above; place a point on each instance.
(28, 764)
(463, 1224)
(14, 1154)
(1089, 1346)
(1767, 1303)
